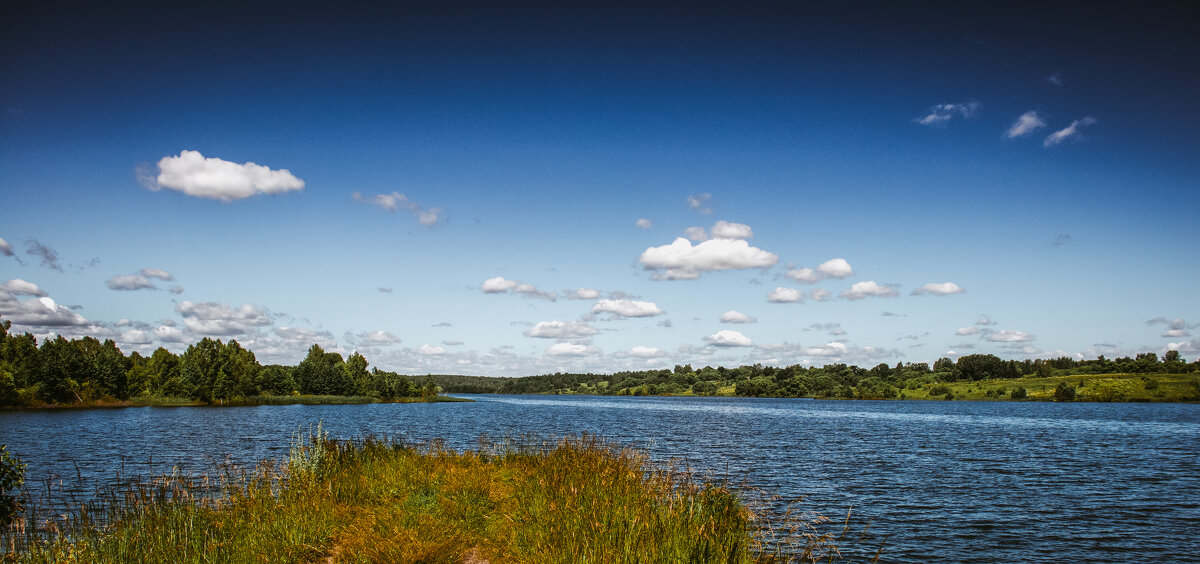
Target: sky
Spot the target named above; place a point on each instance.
(474, 188)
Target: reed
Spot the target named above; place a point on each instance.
(374, 500)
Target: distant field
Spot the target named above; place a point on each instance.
(1088, 387)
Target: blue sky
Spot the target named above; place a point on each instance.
(500, 191)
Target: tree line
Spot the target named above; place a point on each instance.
(86, 370)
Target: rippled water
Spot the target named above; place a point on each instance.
(943, 481)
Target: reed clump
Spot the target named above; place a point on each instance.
(375, 500)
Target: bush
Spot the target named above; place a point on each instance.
(1064, 392)
(1019, 393)
(12, 476)
(939, 389)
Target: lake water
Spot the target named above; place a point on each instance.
(943, 481)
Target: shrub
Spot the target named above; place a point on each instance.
(939, 390)
(1064, 392)
(1019, 393)
(12, 476)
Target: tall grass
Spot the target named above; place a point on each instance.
(372, 500)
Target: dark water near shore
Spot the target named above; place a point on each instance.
(944, 481)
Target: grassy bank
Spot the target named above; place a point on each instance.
(1083, 387)
(255, 400)
(575, 500)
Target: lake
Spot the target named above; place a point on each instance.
(943, 481)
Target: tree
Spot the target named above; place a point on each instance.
(979, 367)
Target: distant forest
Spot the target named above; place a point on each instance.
(86, 371)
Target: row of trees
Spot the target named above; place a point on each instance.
(832, 380)
(86, 370)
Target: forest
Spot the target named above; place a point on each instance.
(87, 371)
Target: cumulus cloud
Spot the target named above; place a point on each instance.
(167, 334)
(1025, 124)
(935, 289)
(783, 295)
(1176, 328)
(626, 308)
(136, 337)
(48, 256)
(1191, 347)
(430, 350)
(5, 248)
(697, 234)
(821, 294)
(218, 319)
(581, 294)
(985, 321)
(1008, 336)
(38, 312)
(697, 203)
(1070, 132)
(499, 285)
(728, 230)
(833, 268)
(375, 339)
(832, 349)
(734, 316)
(130, 282)
(644, 223)
(869, 289)
(19, 287)
(728, 338)
(157, 273)
(964, 331)
(427, 217)
(646, 352)
(943, 113)
(683, 261)
(571, 350)
(195, 175)
(561, 330)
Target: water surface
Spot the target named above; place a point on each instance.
(943, 481)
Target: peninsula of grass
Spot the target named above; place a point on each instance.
(573, 500)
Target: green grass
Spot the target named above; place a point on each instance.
(574, 500)
(1088, 387)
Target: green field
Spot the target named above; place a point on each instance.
(1087, 387)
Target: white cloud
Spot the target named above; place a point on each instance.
(696, 203)
(963, 331)
(5, 248)
(869, 289)
(1191, 347)
(821, 294)
(734, 316)
(727, 230)
(391, 202)
(644, 223)
(136, 337)
(646, 352)
(728, 338)
(833, 349)
(942, 289)
(569, 349)
(497, 285)
(581, 294)
(200, 177)
(697, 234)
(1068, 132)
(783, 295)
(157, 273)
(376, 339)
(1008, 336)
(430, 350)
(683, 261)
(627, 308)
(1026, 124)
(169, 335)
(942, 113)
(1176, 328)
(561, 330)
(832, 268)
(38, 312)
(130, 282)
(176, 289)
(985, 321)
(217, 319)
(19, 287)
